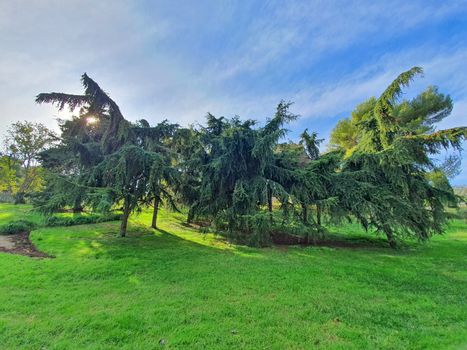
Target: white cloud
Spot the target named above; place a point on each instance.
(448, 69)
(315, 28)
(130, 52)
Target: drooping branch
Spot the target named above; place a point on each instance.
(452, 137)
(61, 100)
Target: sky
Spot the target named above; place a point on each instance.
(178, 60)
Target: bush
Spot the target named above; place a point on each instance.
(253, 230)
(6, 197)
(17, 226)
(79, 220)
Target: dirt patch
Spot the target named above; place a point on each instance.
(6, 242)
(21, 245)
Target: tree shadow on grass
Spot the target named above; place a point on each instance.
(102, 241)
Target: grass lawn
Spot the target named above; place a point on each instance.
(178, 289)
(11, 212)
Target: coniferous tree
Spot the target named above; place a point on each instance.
(107, 159)
(383, 182)
(230, 171)
(125, 175)
(239, 173)
(164, 177)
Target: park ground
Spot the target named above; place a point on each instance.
(176, 288)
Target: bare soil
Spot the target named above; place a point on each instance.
(21, 245)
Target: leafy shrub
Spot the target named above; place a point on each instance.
(79, 220)
(297, 228)
(460, 214)
(6, 198)
(253, 230)
(259, 227)
(17, 226)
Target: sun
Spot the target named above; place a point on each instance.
(91, 120)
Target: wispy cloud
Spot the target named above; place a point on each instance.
(166, 59)
(310, 29)
(448, 69)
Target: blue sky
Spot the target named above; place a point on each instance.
(180, 59)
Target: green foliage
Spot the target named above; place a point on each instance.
(409, 117)
(10, 173)
(346, 134)
(421, 114)
(54, 220)
(385, 182)
(5, 197)
(95, 103)
(381, 126)
(311, 144)
(17, 226)
(237, 175)
(20, 173)
(60, 192)
(103, 160)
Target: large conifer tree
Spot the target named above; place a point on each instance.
(239, 173)
(103, 159)
(383, 182)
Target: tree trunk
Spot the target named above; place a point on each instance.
(19, 198)
(77, 210)
(155, 212)
(189, 217)
(77, 207)
(28, 179)
(304, 213)
(318, 214)
(270, 204)
(391, 239)
(124, 220)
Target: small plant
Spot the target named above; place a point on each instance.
(17, 226)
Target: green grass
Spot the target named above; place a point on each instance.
(194, 291)
(10, 212)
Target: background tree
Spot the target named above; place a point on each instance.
(23, 143)
(239, 173)
(311, 143)
(384, 181)
(164, 178)
(409, 117)
(9, 172)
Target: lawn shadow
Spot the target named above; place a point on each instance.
(98, 241)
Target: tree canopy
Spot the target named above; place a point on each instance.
(242, 179)
(23, 143)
